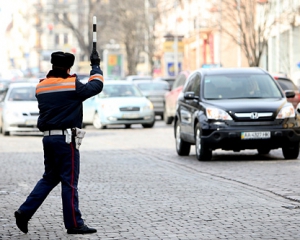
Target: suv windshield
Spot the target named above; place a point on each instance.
(22, 94)
(121, 90)
(240, 86)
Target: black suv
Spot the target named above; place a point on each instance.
(235, 109)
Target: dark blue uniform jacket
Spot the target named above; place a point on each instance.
(60, 98)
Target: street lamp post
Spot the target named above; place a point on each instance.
(176, 41)
(197, 36)
(239, 61)
(146, 3)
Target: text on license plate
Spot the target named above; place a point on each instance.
(255, 135)
(131, 116)
(31, 122)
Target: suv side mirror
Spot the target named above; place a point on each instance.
(289, 93)
(190, 96)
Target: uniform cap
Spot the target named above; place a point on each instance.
(61, 59)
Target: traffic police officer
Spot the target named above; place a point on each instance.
(60, 96)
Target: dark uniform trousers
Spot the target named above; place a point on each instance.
(61, 162)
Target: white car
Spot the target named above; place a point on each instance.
(120, 102)
(132, 78)
(19, 109)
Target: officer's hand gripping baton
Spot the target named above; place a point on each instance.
(95, 60)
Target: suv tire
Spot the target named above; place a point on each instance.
(292, 151)
(202, 153)
(182, 147)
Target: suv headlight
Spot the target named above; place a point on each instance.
(217, 114)
(286, 112)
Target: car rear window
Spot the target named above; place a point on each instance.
(237, 86)
(287, 85)
(158, 86)
(22, 94)
(121, 90)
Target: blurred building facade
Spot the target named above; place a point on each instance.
(283, 52)
(193, 26)
(20, 36)
(34, 33)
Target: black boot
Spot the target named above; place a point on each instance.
(22, 221)
(84, 229)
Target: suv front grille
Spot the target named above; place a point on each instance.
(253, 116)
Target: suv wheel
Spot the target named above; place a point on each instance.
(182, 147)
(202, 153)
(292, 151)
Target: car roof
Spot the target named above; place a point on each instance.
(118, 82)
(282, 78)
(138, 77)
(23, 84)
(220, 71)
(151, 81)
(164, 78)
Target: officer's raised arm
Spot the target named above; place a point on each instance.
(95, 82)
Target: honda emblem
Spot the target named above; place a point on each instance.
(254, 115)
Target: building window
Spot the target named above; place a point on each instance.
(65, 16)
(82, 57)
(57, 39)
(66, 39)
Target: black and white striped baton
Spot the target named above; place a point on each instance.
(94, 33)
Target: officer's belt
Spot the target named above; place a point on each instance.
(55, 132)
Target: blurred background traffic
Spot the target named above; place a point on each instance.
(157, 41)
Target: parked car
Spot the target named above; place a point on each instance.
(4, 83)
(287, 84)
(82, 75)
(120, 102)
(155, 92)
(218, 110)
(132, 78)
(19, 109)
(171, 97)
(170, 80)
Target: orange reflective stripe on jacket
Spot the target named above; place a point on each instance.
(96, 77)
(49, 85)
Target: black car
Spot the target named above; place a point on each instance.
(287, 84)
(235, 109)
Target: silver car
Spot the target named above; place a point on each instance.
(120, 102)
(155, 91)
(19, 109)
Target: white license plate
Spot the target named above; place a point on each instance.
(255, 135)
(31, 122)
(131, 116)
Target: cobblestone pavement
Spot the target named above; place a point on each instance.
(133, 185)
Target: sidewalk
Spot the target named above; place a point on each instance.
(126, 194)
